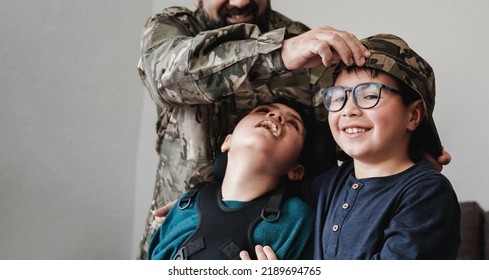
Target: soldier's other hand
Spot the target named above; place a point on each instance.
(323, 45)
(443, 159)
(161, 213)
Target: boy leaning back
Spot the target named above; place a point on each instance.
(387, 202)
(217, 221)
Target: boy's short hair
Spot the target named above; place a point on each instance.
(393, 56)
(318, 153)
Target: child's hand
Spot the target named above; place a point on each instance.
(263, 253)
(161, 213)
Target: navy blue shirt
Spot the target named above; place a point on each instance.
(411, 215)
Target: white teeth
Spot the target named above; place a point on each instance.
(238, 16)
(354, 130)
(271, 126)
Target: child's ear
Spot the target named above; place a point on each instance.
(417, 114)
(296, 173)
(225, 145)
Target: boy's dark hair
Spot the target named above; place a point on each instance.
(318, 153)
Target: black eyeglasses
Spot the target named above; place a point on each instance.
(365, 96)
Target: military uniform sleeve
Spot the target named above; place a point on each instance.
(180, 67)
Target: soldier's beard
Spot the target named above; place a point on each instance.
(260, 20)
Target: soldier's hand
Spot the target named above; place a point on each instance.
(262, 253)
(323, 45)
(161, 213)
(443, 159)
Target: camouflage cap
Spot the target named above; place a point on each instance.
(393, 55)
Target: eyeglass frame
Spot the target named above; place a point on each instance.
(352, 89)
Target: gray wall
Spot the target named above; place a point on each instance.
(70, 112)
(77, 160)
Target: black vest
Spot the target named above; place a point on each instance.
(224, 232)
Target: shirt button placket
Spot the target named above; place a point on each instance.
(345, 206)
(340, 218)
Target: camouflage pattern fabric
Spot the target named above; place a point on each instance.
(202, 81)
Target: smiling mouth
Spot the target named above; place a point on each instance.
(245, 17)
(354, 130)
(272, 127)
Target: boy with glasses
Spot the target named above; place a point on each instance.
(387, 202)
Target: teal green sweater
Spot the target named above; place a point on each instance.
(289, 237)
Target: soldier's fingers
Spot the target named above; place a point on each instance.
(445, 157)
(159, 220)
(357, 49)
(346, 45)
(331, 46)
(160, 213)
(326, 54)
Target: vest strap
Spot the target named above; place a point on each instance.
(190, 249)
(187, 200)
(271, 212)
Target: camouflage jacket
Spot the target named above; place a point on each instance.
(203, 80)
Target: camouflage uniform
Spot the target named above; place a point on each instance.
(202, 81)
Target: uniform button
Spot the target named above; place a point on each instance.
(336, 227)
(354, 186)
(346, 205)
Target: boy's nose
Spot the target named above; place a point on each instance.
(350, 107)
(276, 115)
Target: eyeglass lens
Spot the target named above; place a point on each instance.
(365, 96)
